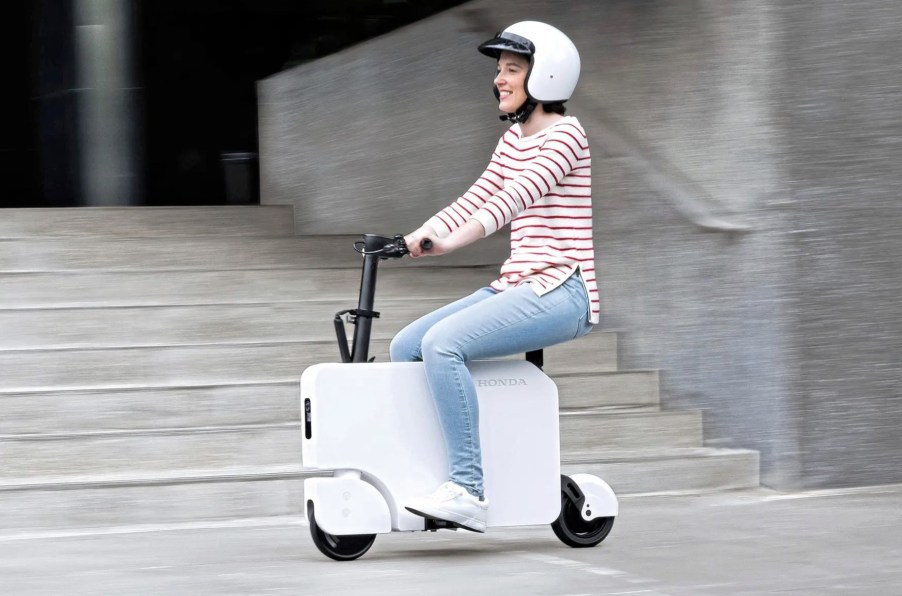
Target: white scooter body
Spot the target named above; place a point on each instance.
(376, 426)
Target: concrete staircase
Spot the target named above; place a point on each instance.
(149, 361)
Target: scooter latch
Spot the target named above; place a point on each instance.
(357, 312)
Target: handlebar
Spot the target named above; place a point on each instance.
(373, 248)
(387, 247)
(384, 247)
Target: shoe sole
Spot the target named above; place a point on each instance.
(456, 524)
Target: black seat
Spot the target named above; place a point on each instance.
(537, 357)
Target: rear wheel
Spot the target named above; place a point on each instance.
(340, 548)
(573, 530)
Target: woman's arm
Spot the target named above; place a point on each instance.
(466, 234)
(561, 152)
(458, 215)
(460, 211)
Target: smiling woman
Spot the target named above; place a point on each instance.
(510, 81)
(553, 56)
(539, 181)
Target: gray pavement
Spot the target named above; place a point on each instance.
(737, 544)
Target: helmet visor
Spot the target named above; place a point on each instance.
(507, 42)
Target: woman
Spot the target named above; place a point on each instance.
(539, 181)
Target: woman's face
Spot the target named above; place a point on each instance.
(509, 80)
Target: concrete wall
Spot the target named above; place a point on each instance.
(843, 91)
(705, 116)
(386, 133)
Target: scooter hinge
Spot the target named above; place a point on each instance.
(433, 525)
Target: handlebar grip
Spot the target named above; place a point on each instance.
(426, 244)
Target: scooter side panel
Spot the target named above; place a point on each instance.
(347, 506)
(380, 419)
(377, 418)
(519, 435)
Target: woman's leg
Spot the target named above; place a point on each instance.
(510, 322)
(406, 345)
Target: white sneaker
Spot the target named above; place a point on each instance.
(452, 503)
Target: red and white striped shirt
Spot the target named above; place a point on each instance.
(542, 186)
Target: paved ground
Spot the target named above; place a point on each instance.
(736, 544)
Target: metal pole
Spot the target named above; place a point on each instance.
(364, 323)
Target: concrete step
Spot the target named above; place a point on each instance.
(150, 358)
(255, 286)
(61, 412)
(216, 364)
(103, 501)
(97, 502)
(589, 354)
(205, 253)
(170, 449)
(116, 409)
(127, 368)
(148, 222)
(617, 388)
(113, 327)
(693, 470)
(147, 451)
(604, 429)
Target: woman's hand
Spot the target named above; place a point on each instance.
(466, 234)
(414, 238)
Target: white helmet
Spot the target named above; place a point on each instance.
(553, 59)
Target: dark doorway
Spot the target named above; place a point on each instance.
(18, 169)
(197, 63)
(200, 61)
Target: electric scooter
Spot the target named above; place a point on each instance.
(375, 425)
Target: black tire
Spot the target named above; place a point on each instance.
(573, 530)
(340, 548)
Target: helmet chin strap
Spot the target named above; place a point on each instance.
(522, 114)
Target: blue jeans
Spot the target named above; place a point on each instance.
(486, 324)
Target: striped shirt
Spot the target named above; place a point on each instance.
(542, 186)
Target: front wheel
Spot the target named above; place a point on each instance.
(573, 530)
(340, 548)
